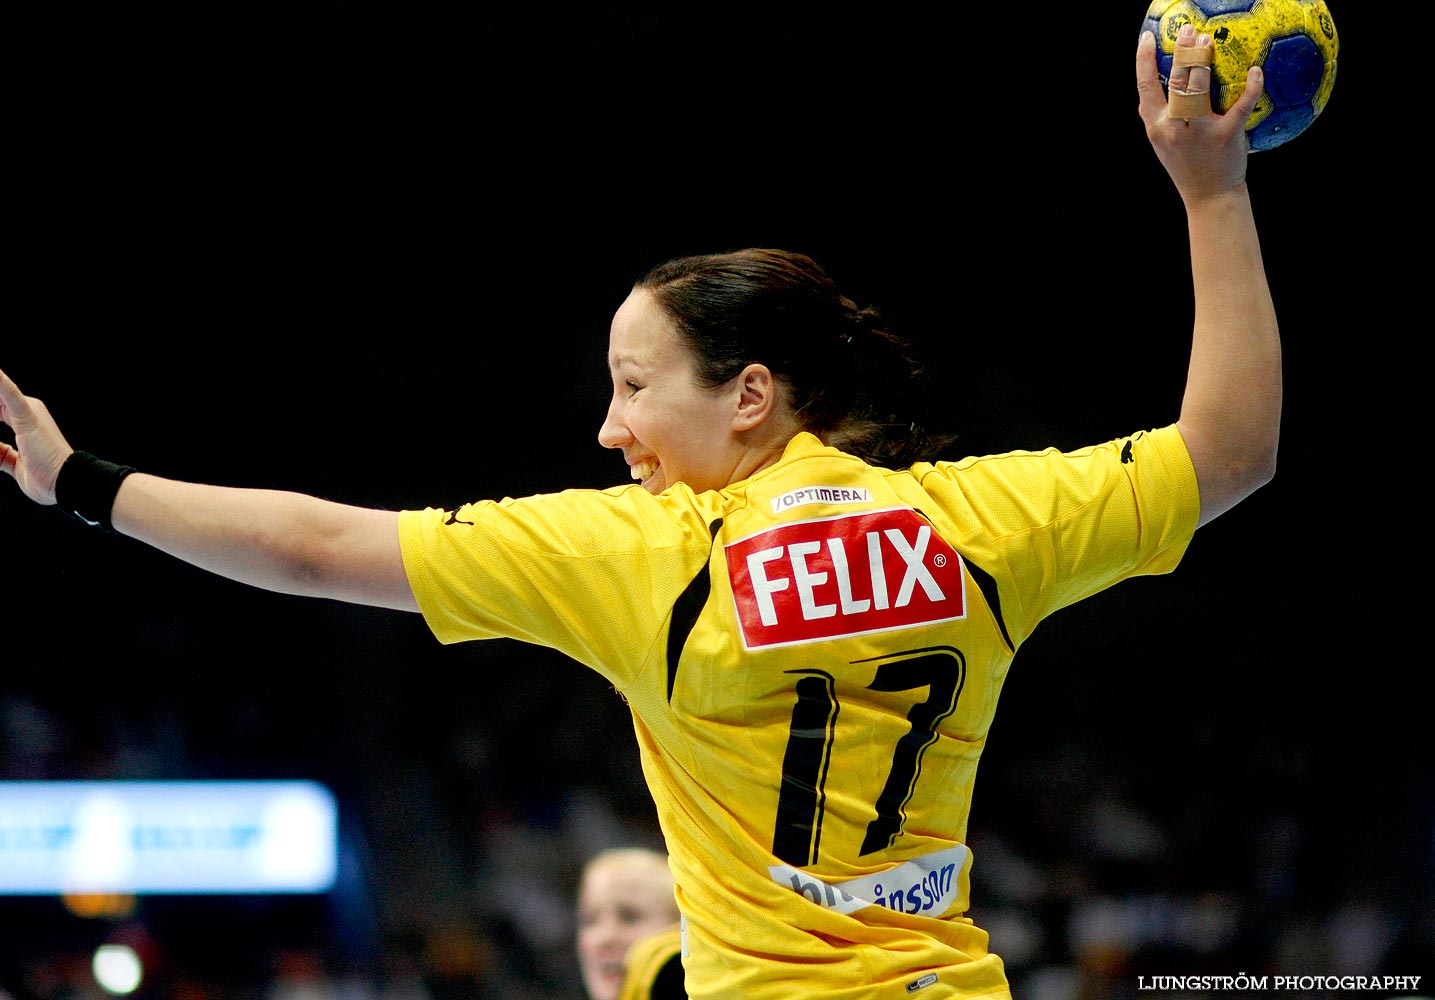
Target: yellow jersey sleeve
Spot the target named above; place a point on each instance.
(591, 573)
(1056, 527)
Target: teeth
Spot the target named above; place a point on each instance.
(644, 469)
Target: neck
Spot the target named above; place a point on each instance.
(764, 445)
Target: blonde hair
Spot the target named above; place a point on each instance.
(639, 857)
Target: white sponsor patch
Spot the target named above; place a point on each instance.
(926, 885)
(820, 494)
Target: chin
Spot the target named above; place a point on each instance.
(604, 988)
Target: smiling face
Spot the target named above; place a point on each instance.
(624, 896)
(671, 429)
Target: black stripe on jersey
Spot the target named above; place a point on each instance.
(802, 795)
(942, 670)
(988, 587)
(686, 609)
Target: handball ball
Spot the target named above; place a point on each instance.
(1293, 41)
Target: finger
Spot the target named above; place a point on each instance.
(1181, 75)
(11, 399)
(1246, 103)
(1148, 80)
(1190, 92)
(1199, 81)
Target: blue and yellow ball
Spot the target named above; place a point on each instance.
(1293, 41)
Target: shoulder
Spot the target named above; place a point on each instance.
(578, 521)
(1154, 461)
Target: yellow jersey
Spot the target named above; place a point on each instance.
(813, 657)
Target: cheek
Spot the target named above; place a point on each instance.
(654, 425)
(587, 939)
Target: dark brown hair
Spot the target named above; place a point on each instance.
(853, 382)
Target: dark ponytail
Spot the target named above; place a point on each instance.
(853, 382)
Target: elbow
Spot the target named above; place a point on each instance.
(1267, 470)
(293, 563)
(349, 554)
(1256, 471)
(1225, 475)
(1235, 483)
(1251, 472)
(320, 561)
(296, 550)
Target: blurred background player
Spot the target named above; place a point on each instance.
(628, 939)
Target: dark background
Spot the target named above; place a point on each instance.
(370, 252)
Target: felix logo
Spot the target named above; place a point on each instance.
(841, 576)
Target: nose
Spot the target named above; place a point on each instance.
(614, 432)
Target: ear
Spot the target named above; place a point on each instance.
(757, 393)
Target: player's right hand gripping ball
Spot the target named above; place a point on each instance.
(1293, 41)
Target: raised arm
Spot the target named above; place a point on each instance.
(276, 540)
(1230, 413)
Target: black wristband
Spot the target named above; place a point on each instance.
(86, 486)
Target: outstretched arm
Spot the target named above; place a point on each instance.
(1230, 413)
(280, 541)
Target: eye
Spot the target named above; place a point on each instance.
(631, 386)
